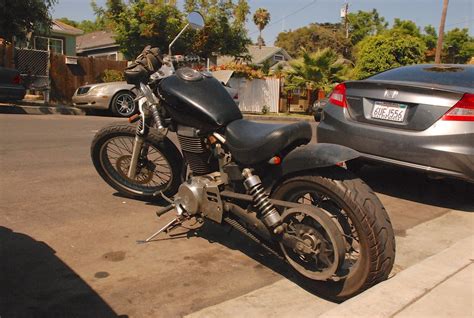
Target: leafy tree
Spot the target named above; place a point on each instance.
(241, 10)
(224, 32)
(107, 16)
(322, 69)
(20, 17)
(458, 46)
(315, 37)
(430, 37)
(385, 51)
(261, 18)
(141, 24)
(405, 27)
(85, 25)
(365, 23)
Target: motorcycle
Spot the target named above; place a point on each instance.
(296, 199)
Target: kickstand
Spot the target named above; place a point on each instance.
(171, 224)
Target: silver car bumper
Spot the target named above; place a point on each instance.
(447, 147)
(91, 101)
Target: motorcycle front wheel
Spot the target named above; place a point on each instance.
(159, 170)
(362, 221)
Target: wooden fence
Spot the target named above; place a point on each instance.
(66, 78)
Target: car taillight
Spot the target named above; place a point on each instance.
(16, 80)
(463, 110)
(338, 96)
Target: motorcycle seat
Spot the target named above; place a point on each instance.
(252, 142)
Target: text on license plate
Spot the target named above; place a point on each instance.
(389, 111)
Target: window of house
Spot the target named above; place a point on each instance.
(49, 44)
(278, 57)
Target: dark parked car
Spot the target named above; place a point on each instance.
(419, 116)
(10, 85)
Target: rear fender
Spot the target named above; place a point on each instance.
(316, 156)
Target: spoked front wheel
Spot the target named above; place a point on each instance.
(158, 168)
(369, 243)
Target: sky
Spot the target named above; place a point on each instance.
(292, 14)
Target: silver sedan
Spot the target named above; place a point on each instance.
(118, 97)
(419, 117)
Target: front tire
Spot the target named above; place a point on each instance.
(160, 170)
(359, 214)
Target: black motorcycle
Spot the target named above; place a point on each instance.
(294, 198)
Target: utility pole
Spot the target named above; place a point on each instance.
(344, 12)
(439, 46)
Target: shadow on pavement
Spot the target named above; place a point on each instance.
(234, 240)
(418, 187)
(34, 282)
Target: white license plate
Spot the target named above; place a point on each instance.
(389, 111)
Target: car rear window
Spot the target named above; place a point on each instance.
(451, 75)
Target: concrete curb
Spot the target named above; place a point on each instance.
(277, 118)
(40, 110)
(37, 108)
(395, 295)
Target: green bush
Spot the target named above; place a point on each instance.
(112, 76)
(379, 53)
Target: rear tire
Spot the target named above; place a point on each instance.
(168, 162)
(360, 215)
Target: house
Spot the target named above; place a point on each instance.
(99, 44)
(270, 55)
(60, 39)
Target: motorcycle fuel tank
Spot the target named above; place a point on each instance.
(199, 101)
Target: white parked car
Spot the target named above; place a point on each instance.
(118, 97)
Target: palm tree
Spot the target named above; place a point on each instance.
(320, 70)
(261, 19)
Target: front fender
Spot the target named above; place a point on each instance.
(316, 156)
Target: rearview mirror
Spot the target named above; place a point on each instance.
(195, 20)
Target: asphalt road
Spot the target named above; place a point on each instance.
(68, 240)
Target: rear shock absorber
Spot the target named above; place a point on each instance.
(268, 214)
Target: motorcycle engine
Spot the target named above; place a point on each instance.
(196, 152)
(201, 195)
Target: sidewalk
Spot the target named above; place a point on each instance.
(35, 107)
(434, 277)
(440, 286)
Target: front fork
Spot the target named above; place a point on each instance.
(148, 116)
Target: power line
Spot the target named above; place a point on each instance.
(288, 15)
(461, 22)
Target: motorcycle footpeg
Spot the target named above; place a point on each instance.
(164, 210)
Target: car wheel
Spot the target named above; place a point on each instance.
(317, 116)
(123, 104)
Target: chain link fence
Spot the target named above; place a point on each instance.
(33, 66)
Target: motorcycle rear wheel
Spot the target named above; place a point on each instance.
(362, 219)
(111, 152)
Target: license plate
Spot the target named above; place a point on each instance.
(389, 111)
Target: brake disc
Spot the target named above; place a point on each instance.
(143, 174)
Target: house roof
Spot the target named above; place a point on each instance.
(63, 28)
(261, 54)
(95, 40)
(257, 55)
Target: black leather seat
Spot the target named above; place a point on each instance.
(251, 142)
